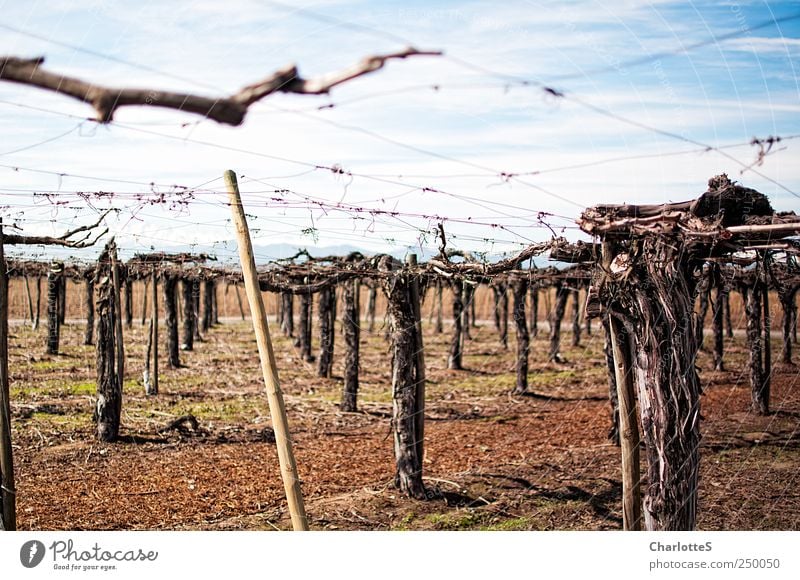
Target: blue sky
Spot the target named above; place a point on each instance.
(458, 139)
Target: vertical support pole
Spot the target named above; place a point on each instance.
(280, 423)
(628, 427)
(613, 433)
(8, 490)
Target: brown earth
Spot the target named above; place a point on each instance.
(492, 461)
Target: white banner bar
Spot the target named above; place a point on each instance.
(400, 555)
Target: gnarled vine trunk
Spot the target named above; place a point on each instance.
(454, 361)
(327, 308)
(407, 385)
(556, 316)
(653, 298)
(54, 280)
(189, 315)
(171, 320)
(520, 288)
(109, 383)
(352, 335)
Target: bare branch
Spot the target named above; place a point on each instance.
(230, 110)
(63, 240)
(496, 267)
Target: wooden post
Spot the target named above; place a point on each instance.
(628, 427)
(8, 490)
(154, 323)
(608, 351)
(280, 423)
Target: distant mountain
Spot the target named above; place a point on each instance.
(227, 253)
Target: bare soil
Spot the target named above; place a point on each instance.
(493, 461)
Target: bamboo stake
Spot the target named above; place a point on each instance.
(628, 421)
(628, 428)
(280, 424)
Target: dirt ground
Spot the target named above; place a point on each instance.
(495, 462)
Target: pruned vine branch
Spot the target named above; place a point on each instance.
(64, 239)
(229, 110)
